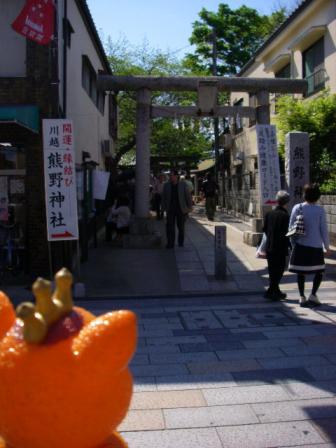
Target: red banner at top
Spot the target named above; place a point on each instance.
(36, 21)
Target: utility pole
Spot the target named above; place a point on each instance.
(216, 121)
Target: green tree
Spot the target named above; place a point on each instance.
(169, 136)
(238, 34)
(318, 118)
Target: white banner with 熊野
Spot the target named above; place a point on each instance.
(268, 163)
(60, 180)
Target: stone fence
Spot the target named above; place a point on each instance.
(328, 202)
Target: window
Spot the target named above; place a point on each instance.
(67, 32)
(313, 67)
(285, 72)
(89, 83)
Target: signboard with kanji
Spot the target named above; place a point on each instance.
(60, 180)
(297, 164)
(268, 164)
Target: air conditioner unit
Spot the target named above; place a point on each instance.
(106, 146)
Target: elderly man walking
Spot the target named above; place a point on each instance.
(277, 244)
(177, 202)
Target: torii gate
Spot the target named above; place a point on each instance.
(207, 88)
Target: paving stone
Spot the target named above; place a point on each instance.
(249, 353)
(159, 332)
(233, 319)
(320, 340)
(139, 360)
(143, 420)
(164, 326)
(145, 316)
(144, 384)
(296, 332)
(318, 389)
(159, 349)
(280, 343)
(210, 416)
(295, 410)
(270, 435)
(331, 358)
(182, 358)
(203, 331)
(272, 376)
(167, 399)
(159, 370)
(213, 346)
(184, 382)
(322, 372)
(315, 350)
(327, 428)
(223, 366)
(245, 336)
(178, 438)
(175, 340)
(194, 283)
(245, 395)
(196, 320)
(294, 361)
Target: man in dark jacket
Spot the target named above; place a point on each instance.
(277, 244)
(177, 202)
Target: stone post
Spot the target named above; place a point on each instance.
(220, 252)
(297, 165)
(142, 169)
(263, 117)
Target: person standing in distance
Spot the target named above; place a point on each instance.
(277, 244)
(209, 189)
(177, 202)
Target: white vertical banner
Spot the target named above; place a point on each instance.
(100, 184)
(60, 180)
(268, 163)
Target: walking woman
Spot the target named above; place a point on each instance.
(307, 256)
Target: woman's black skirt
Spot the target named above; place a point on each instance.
(306, 260)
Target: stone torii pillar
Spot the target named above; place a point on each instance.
(142, 168)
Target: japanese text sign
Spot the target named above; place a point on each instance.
(36, 21)
(297, 164)
(60, 180)
(268, 163)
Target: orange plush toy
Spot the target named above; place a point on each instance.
(64, 380)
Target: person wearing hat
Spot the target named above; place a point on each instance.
(177, 202)
(277, 244)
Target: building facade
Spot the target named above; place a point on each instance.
(303, 47)
(57, 80)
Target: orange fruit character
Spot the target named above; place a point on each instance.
(66, 384)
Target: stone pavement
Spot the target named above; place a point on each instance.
(231, 371)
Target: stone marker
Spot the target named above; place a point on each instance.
(220, 252)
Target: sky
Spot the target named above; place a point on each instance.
(164, 24)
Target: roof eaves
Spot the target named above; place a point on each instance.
(278, 31)
(83, 7)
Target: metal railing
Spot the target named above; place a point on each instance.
(316, 81)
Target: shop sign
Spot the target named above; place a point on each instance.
(60, 180)
(268, 164)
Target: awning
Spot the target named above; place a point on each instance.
(204, 166)
(25, 116)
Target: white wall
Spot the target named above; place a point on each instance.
(12, 44)
(91, 127)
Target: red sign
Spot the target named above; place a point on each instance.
(36, 21)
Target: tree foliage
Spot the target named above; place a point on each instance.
(238, 34)
(169, 136)
(318, 118)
